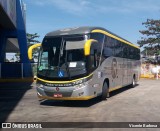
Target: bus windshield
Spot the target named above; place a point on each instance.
(62, 57)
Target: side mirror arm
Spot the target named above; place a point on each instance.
(87, 46)
(30, 50)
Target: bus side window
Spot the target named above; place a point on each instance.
(108, 47)
(125, 51)
(118, 49)
(99, 37)
(94, 61)
(137, 54)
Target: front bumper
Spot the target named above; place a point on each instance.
(68, 93)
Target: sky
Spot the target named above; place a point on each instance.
(122, 17)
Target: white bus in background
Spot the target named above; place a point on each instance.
(85, 62)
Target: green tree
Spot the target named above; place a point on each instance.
(6, 60)
(32, 39)
(17, 55)
(151, 36)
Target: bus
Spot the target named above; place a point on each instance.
(85, 62)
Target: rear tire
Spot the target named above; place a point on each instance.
(133, 82)
(105, 91)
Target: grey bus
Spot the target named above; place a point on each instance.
(85, 62)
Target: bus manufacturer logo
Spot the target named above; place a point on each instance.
(60, 73)
(57, 89)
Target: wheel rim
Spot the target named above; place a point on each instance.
(133, 82)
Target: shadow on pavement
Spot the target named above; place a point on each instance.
(10, 95)
(71, 103)
(87, 103)
(113, 93)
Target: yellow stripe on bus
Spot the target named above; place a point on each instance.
(64, 81)
(115, 88)
(30, 50)
(115, 37)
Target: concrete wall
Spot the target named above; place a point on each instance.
(9, 7)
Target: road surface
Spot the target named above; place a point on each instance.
(19, 103)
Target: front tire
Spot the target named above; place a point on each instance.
(105, 91)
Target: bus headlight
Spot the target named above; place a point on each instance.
(82, 85)
(39, 85)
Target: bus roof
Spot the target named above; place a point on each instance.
(86, 30)
(76, 30)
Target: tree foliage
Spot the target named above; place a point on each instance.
(32, 39)
(150, 51)
(151, 36)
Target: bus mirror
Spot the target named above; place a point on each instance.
(31, 49)
(87, 46)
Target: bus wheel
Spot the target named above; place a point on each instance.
(105, 91)
(133, 82)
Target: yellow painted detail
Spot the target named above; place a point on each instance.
(87, 46)
(115, 88)
(31, 49)
(115, 37)
(66, 98)
(64, 81)
(150, 76)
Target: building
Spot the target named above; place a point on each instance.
(13, 39)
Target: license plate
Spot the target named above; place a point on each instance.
(57, 95)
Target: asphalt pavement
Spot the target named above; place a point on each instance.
(19, 103)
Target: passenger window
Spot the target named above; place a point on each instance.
(118, 49)
(108, 49)
(94, 59)
(125, 51)
(99, 37)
